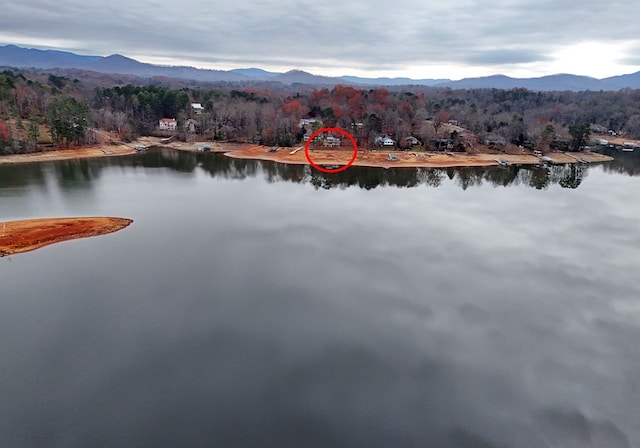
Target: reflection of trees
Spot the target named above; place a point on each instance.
(432, 177)
(79, 172)
(573, 176)
(539, 177)
(502, 177)
(22, 175)
(623, 162)
(470, 176)
(76, 173)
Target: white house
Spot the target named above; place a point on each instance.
(167, 124)
(197, 108)
(332, 142)
(384, 141)
(306, 122)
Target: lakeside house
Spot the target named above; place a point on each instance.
(197, 108)
(442, 143)
(384, 141)
(167, 124)
(191, 125)
(332, 142)
(494, 141)
(411, 140)
(306, 122)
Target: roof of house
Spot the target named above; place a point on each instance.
(168, 120)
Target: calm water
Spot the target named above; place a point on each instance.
(263, 305)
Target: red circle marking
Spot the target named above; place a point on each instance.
(337, 170)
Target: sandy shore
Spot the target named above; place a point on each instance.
(408, 158)
(73, 153)
(31, 234)
(321, 156)
(112, 150)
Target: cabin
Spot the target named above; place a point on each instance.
(560, 144)
(306, 122)
(167, 124)
(494, 141)
(332, 142)
(411, 141)
(384, 141)
(191, 125)
(442, 143)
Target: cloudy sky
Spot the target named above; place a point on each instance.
(416, 38)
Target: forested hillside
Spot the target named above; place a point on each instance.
(46, 111)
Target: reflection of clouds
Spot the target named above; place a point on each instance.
(472, 313)
(570, 428)
(256, 313)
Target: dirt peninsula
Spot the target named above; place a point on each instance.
(31, 234)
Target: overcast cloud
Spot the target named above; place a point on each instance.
(417, 38)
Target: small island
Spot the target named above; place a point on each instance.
(31, 234)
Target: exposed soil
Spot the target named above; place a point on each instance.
(31, 234)
(407, 158)
(377, 158)
(73, 153)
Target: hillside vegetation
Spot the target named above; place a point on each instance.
(41, 111)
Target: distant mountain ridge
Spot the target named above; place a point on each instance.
(394, 81)
(255, 72)
(14, 56)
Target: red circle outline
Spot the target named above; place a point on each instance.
(337, 170)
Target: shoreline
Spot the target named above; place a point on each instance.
(411, 159)
(374, 159)
(31, 234)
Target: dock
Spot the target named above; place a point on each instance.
(576, 158)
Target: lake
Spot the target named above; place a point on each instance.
(254, 304)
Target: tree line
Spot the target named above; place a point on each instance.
(46, 111)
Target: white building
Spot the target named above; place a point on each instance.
(306, 122)
(168, 124)
(197, 108)
(384, 141)
(332, 142)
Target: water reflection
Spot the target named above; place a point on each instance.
(623, 163)
(22, 175)
(76, 174)
(539, 177)
(79, 173)
(247, 314)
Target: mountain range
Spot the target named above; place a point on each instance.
(18, 57)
